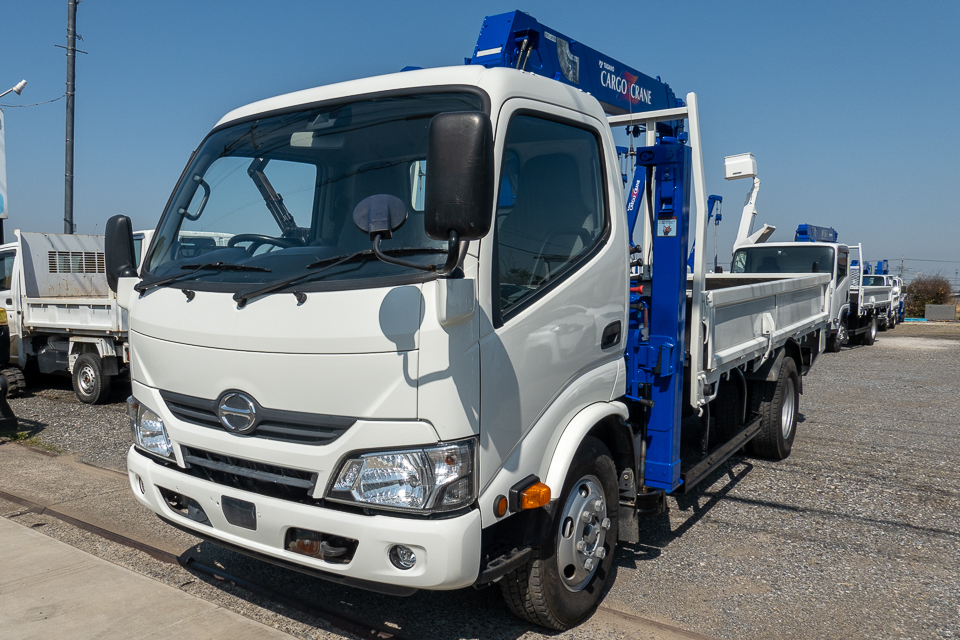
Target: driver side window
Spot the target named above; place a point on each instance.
(6, 269)
(550, 211)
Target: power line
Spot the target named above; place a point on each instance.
(17, 106)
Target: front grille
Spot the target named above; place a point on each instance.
(256, 477)
(273, 424)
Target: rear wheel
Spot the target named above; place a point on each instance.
(569, 568)
(870, 336)
(90, 384)
(777, 403)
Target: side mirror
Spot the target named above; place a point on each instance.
(458, 195)
(118, 247)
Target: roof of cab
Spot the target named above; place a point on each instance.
(499, 83)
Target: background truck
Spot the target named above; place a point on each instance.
(429, 355)
(899, 299)
(61, 313)
(814, 250)
(871, 302)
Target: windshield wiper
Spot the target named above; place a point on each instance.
(326, 263)
(195, 268)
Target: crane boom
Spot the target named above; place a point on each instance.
(516, 40)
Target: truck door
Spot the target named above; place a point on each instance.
(841, 296)
(7, 295)
(557, 281)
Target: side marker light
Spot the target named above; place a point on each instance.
(500, 506)
(534, 496)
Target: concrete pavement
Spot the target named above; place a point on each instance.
(49, 589)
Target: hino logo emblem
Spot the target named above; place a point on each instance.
(237, 412)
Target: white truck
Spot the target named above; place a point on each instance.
(898, 300)
(428, 356)
(61, 313)
(871, 304)
(804, 257)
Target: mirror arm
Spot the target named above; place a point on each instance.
(452, 262)
(455, 254)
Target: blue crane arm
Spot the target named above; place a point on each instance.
(518, 41)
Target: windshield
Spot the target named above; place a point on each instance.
(278, 193)
(874, 281)
(793, 259)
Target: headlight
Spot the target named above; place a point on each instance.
(148, 430)
(440, 478)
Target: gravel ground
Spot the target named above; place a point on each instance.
(50, 412)
(856, 535)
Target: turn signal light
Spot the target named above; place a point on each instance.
(534, 496)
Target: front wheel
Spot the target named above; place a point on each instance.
(836, 341)
(870, 336)
(90, 384)
(569, 568)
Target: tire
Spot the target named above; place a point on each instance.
(870, 336)
(728, 411)
(16, 383)
(777, 404)
(836, 341)
(558, 597)
(89, 382)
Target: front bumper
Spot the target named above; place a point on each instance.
(448, 550)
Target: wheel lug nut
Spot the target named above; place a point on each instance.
(598, 505)
(588, 564)
(581, 546)
(605, 524)
(586, 516)
(601, 553)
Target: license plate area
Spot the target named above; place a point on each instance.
(239, 513)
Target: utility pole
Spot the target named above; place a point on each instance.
(71, 89)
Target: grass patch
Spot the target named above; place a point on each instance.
(27, 439)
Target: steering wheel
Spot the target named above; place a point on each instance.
(258, 239)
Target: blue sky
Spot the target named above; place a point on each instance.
(849, 107)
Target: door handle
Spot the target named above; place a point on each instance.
(610, 336)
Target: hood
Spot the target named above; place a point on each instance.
(385, 320)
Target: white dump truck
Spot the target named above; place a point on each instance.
(428, 355)
(801, 257)
(61, 313)
(871, 303)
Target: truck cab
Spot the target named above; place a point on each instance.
(360, 379)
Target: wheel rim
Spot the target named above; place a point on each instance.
(873, 329)
(86, 380)
(842, 334)
(788, 409)
(583, 529)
